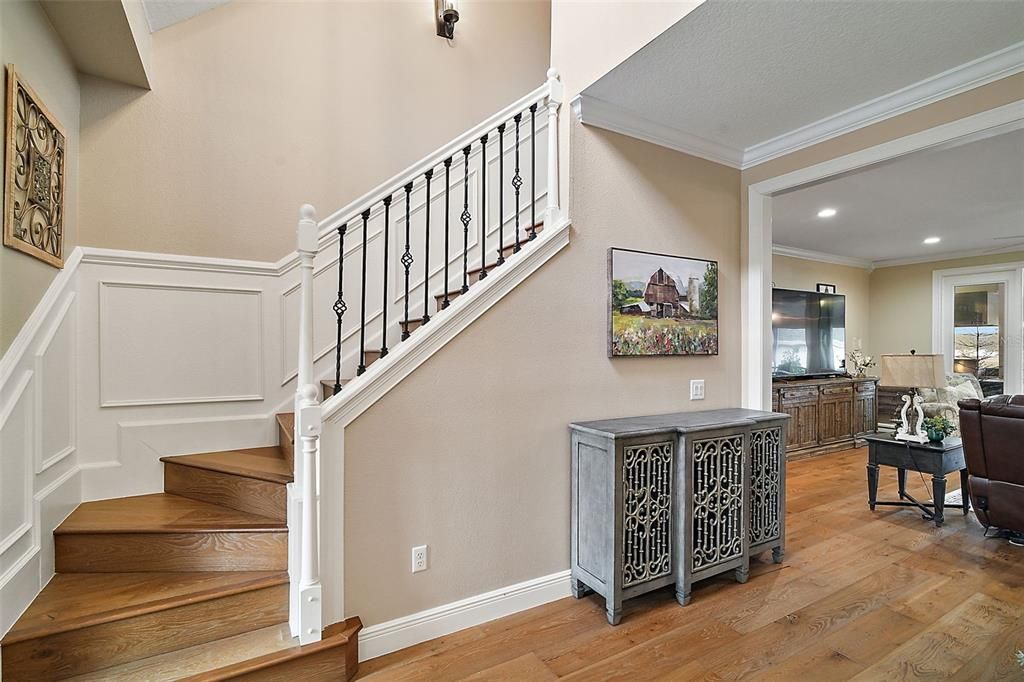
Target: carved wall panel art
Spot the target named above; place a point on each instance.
(34, 175)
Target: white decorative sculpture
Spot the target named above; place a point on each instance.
(903, 433)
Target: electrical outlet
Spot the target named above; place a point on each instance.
(419, 558)
(696, 389)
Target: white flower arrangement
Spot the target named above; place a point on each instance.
(860, 361)
(1020, 658)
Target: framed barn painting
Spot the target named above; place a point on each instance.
(34, 174)
(661, 305)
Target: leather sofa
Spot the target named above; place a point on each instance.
(993, 437)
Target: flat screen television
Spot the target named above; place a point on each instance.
(808, 333)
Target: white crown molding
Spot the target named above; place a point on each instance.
(987, 69)
(821, 257)
(600, 114)
(945, 257)
(383, 638)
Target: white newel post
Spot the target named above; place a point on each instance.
(552, 212)
(307, 432)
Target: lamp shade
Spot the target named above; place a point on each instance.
(913, 370)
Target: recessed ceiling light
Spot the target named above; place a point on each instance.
(826, 213)
(933, 240)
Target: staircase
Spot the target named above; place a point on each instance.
(218, 576)
(190, 583)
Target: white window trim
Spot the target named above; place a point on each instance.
(1010, 275)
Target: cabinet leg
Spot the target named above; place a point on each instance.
(777, 554)
(683, 597)
(902, 477)
(614, 615)
(579, 590)
(742, 573)
(939, 498)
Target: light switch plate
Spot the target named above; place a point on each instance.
(696, 389)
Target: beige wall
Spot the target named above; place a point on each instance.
(480, 468)
(28, 41)
(258, 107)
(901, 302)
(854, 283)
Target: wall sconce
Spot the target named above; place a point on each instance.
(446, 13)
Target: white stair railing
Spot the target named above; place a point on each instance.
(307, 612)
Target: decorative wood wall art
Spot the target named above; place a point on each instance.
(34, 175)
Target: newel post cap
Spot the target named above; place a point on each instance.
(307, 237)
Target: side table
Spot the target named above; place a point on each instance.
(936, 459)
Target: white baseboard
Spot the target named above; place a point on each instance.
(403, 632)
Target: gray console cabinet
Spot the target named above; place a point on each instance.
(673, 499)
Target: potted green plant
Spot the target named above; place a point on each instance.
(938, 427)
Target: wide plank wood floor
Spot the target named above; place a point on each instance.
(860, 595)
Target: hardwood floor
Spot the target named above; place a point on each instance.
(860, 595)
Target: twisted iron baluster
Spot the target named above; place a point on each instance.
(501, 194)
(483, 207)
(407, 261)
(466, 218)
(362, 302)
(384, 308)
(517, 181)
(447, 215)
(533, 171)
(339, 305)
(426, 254)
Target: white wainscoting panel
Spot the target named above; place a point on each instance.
(54, 370)
(209, 341)
(16, 445)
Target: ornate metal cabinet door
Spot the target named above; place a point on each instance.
(767, 489)
(715, 536)
(646, 512)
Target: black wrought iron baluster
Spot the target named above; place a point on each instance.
(533, 171)
(339, 305)
(501, 194)
(466, 218)
(517, 181)
(384, 308)
(426, 254)
(447, 215)
(362, 301)
(483, 207)
(406, 262)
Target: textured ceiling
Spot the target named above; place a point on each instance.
(972, 196)
(741, 72)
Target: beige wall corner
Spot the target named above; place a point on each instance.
(851, 282)
(261, 107)
(28, 40)
(108, 38)
(901, 302)
(479, 470)
(590, 38)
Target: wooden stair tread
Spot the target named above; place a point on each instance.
(197, 659)
(161, 513)
(472, 275)
(264, 464)
(337, 635)
(71, 601)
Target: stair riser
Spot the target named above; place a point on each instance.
(133, 552)
(228, 490)
(100, 646)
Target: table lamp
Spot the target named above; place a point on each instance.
(913, 370)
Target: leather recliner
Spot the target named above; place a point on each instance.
(993, 438)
